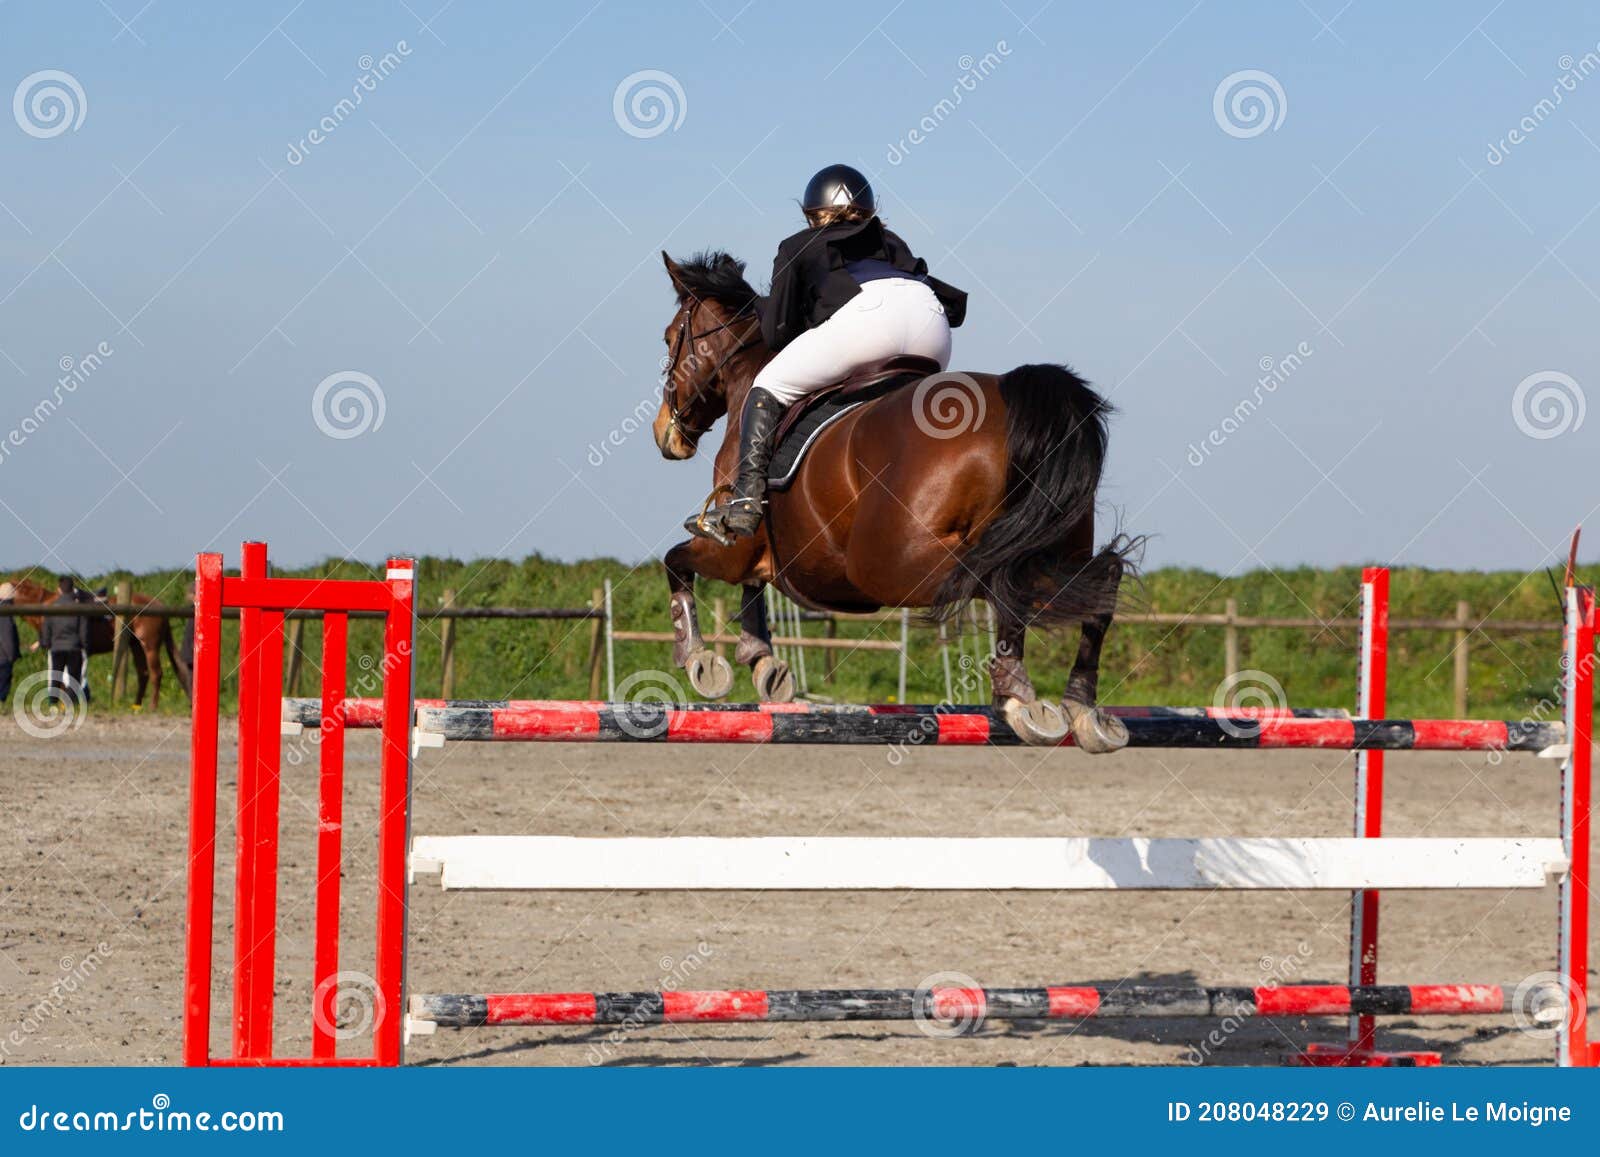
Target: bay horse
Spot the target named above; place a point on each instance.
(149, 636)
(902, 502)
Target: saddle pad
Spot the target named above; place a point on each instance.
(805, 429)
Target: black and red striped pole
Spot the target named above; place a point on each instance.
(959, 1004)
(540, 721)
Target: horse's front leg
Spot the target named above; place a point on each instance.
(1037, 722)
(773, 680)
(709, 673)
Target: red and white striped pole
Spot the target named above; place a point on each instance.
(1372, 703)
(1372, 689)
(1574, 1047)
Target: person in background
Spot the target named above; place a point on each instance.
(67, 640)
(10, 644)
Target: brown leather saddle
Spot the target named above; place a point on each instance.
(811, 415)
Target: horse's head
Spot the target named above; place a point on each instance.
(713, 330)
(30, 593)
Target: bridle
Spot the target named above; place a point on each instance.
(686, 339)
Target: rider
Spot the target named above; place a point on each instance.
(846, 292)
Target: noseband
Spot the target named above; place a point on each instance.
(685, 339)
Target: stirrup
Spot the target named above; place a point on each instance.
(712, 521)
(708, 523)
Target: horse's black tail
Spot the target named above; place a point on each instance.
(1026, 563)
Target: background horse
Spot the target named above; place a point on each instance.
(964, 487)
(150, 634)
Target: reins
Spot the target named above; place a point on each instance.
(686, 338)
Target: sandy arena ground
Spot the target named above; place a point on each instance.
(92, 894)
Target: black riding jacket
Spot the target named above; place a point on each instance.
(810, 282)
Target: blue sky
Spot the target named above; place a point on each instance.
(480, 239)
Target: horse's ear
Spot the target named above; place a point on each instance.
(674, 272)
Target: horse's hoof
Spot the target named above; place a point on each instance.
(1037, 723)
(709, 674)
(1093, 730)
(773, 679)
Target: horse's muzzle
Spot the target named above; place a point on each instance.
(674, 445)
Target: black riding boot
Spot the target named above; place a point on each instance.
(741, 514)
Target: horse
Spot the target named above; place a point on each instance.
(967, 486)
(149, 635)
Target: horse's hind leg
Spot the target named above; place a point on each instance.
(1036, 722)
(179, 669)
(141, 671)
(152, 660)
(1095, 584)
(773, 680)
(1092, 729)
(709, 673)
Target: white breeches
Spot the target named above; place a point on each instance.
(890, 316)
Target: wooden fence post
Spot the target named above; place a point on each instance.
(297, 634)
(1463, 616)
(719, 619)
(596, 636)
(119, 643)
(1230, 639)
(611, 643)
(447, 649)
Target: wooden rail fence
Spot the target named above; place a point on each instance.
(603, 633)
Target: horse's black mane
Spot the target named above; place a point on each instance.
(715, 276)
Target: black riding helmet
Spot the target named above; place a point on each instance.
(837, 187)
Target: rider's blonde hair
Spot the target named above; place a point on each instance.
(833, 214)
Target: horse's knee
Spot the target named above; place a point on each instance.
(735, 565)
